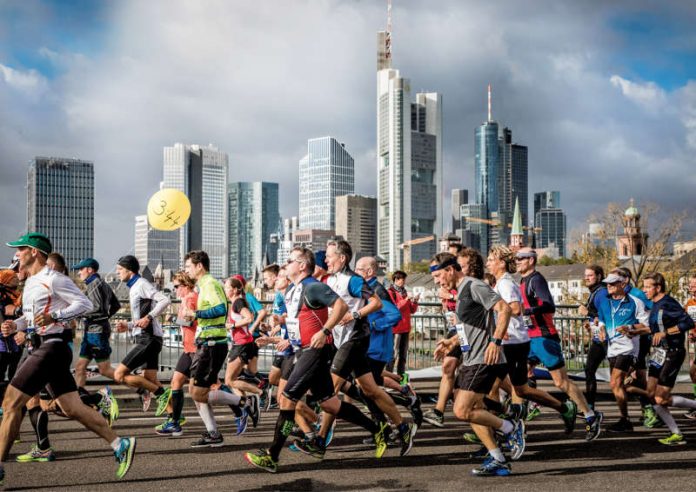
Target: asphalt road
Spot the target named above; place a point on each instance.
(438, 461)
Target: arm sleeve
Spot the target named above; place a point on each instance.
(482, 293)
(161, 301)
(319, 295)
(66, 289)
(213, 312)
(542, 293)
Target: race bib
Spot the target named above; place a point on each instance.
(463, 339)
(658, 357)
(691, 310)
(29, 316)
(293, 327)
(527, 321)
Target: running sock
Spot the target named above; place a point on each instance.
(492, 405)
(159, 391)
(681, 402)
(507, 427)
(532, 382)
(177, 405)
(667, 418)
(219, 397)
(39, 421)
(116, 443)
(352, 391)
(399, 399)
(497, 455)
(283, 428)
(207, 416)
(350, 413)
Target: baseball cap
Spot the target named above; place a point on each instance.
(613, 278)
(87, 263)
(320, 259)
(33, 240)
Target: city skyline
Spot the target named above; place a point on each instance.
(612, 100)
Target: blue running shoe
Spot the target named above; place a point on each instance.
(330, 434)
(516, 440)
(170, 428)
(492, 468)
(242, 422)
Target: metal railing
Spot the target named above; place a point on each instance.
(428, 325)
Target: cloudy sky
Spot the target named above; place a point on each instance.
(602, 92)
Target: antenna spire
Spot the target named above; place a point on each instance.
(490, 116)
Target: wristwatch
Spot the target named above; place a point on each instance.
(497, 341)
(356, 315)
(326, 331)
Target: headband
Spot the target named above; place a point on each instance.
(444, 264)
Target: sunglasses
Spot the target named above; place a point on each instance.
(176, 286)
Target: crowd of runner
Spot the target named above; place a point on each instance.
(340, 340)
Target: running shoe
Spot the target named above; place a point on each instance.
(242, 422)
(35, 455)
(691, 415)
(405, 378)
(471, 437)
(381, 439)
(253, 406)
(479, 454)
(208, 440)
(297, 432)
(593, 427)
(159, 427)
(621, 425)
(533, 411)
(163, 401)
(265, 395)
(673, 440)
(330, 434)
(434, 418)
(652, 420)
(170, 428)
(492, 468)
(406, 433)
(569, 414)
(262, 459)
(124, 456)
(516, 440)
(416, 411)
(108, 406)
(312, 447)
(146, 399)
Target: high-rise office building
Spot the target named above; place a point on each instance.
(475, 230)
(546, 199)
(550, 229)
(253, 217)
(153, 247)
(409, 163)
(327, 171)
(60, 204)
(201, 173)
(459, 198)
(513, 182)
(356, 220)
(487, 162)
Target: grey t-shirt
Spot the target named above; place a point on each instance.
(475, 301)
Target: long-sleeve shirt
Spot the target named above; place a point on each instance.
(667, 313)
(538, 306)
(53, 293)
(96, 320)
(146, 299)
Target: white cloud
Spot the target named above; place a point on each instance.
(649, 94)
(30, 82)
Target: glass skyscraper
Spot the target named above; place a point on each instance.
(487, 166)
(550, 229)
(153, 247)
(253, 216)
(327, 171)
(60, 204)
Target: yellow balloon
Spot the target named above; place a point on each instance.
(168, 210)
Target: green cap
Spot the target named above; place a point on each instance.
(33, 240)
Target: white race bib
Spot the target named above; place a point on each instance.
(691, 310)
(527, 321)
(658, 357)
(463, 339)
(293, 327)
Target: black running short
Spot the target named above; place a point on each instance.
(351, 358)
(622, 362)
(644, 344)
(516, 355)
(376, 368)
(183, 365)
(207, 363)
(245, 352)
(48, 365)
(667, 374)
(312, 371)
(479, 378)
(145, 353)
(456, 352)
(285, 364)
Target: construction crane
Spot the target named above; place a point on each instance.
(496, 223)
(407, 246)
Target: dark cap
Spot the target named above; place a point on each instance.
(320, 259)
(87, 263)
(129, 262)
(33, 240)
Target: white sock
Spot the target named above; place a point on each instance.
(116, 444)
(667, 418)
(681, 402)
(497, 455)
(589, 414)
(207, 416)
(507, 427)
(218, 397)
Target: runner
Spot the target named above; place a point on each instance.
(690, 307)
(352, 341)
(597, 352)
(50, 300)
(211, 343)
(545, 344)
(625, 318)
(186, 318)
(310, 328)
(11, 309)
(482, 360)
(669, 323)
(146, 305)
(501, 263)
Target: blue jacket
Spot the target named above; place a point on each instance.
(613, 313)
(381, 324)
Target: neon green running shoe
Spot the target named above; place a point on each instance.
(35, 455)
(124, 456)
(163, 401)
(673, 440)
(161, 426)
(534, 412)
(471, 437)
(262, 459)
(381, 439)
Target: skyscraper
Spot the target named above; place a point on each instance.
(60, 204)
(356, 220)
(327, 171)
(546, 199)
(487, 162)
(409, 162)
(513, 182)
(201, 173)
(549, 221)
(253, 216)
(153, 247)
(459, 198)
